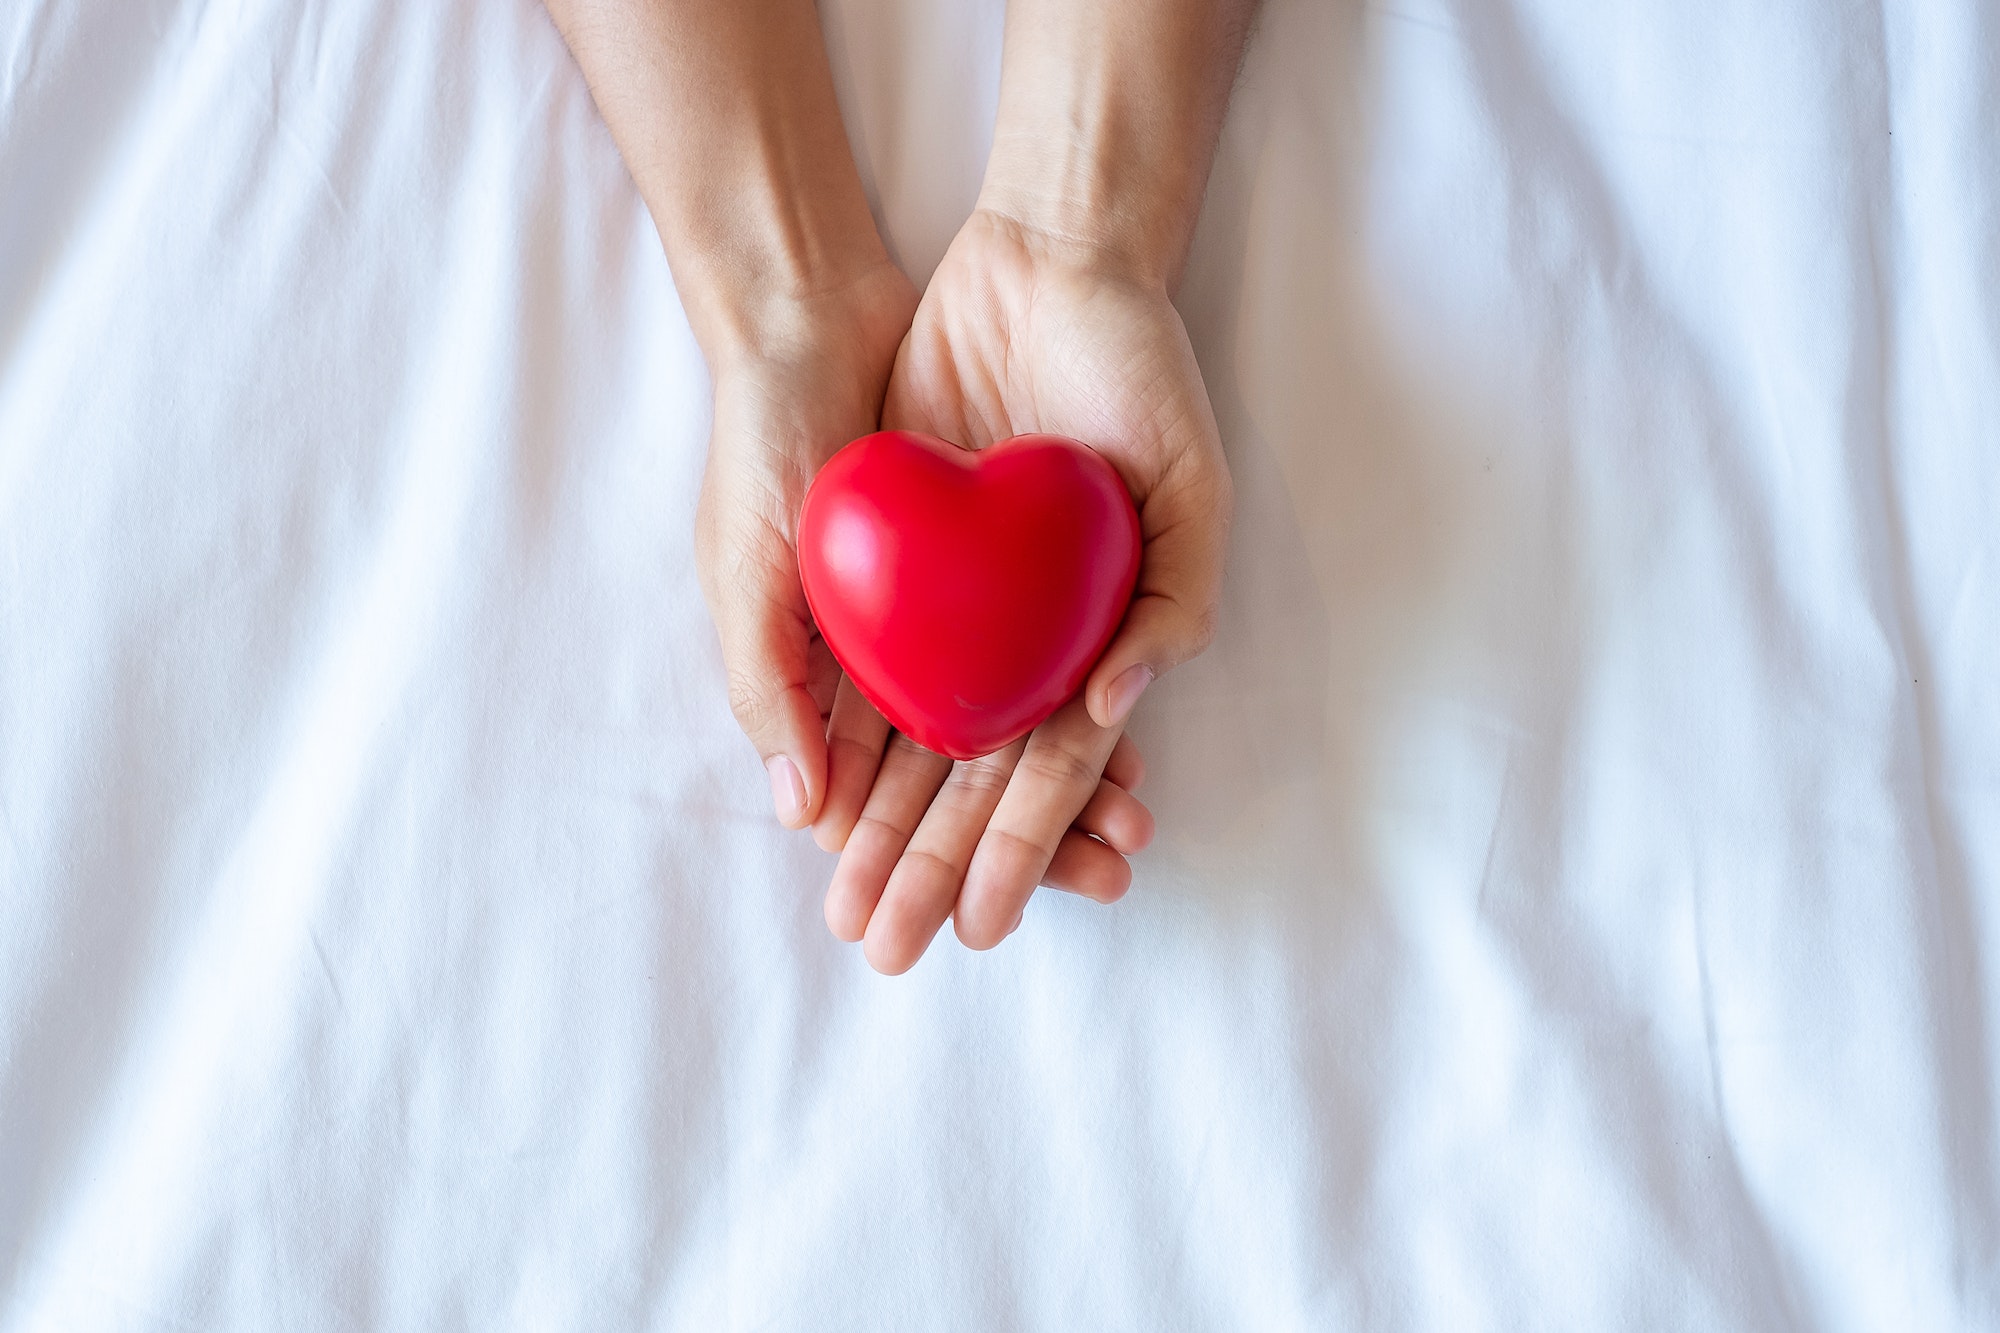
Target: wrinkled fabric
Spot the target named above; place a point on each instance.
(1577, 899)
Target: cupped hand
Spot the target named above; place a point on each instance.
(806, 375)
(1023, 331)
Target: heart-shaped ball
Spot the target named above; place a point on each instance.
(967, 593)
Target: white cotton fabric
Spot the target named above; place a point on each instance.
(1577, 900)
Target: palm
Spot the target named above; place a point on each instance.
(1004, 344)
(1011, 339)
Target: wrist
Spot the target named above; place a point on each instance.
(1075, 165)
(762, 297)
(774, 226)
(1025, 246)
(829, 351)
(1107, 123)
(1067, 206)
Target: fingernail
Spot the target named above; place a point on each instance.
(1125, 691)
(788, 789)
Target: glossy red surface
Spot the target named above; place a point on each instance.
(967, 594)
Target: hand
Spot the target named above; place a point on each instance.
(1107, 121)
(726, 117)
(808, 379)
(1020, 331)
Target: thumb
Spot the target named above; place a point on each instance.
(767, 631)
(750, 579)
(764, 648)
(1173, 611)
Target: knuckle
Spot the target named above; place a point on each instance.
(1029, 855)
(879, 829)
(1203, 622)
(982, 777)
(854, 745)
(753, 706)
(938, 874)
(900, 742)
(1059, 766)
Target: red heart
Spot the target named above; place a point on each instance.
(967, 594)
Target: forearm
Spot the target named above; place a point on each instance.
(726, 118)
(1109, 114)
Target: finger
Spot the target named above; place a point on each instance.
(909, 776)
(1116, 817)
(1125, 767)
(823, 675)
(924, 886)
(750, 579)
(764, 648)
(1056, 777)
(1185, 522)
(1086, 867)
(855, 735)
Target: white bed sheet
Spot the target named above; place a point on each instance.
(1578, 896)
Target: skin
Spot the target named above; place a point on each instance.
(1052, 311)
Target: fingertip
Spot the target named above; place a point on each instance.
(1117, 818)
(1107, 875)
(1111, 704)
(1097, 702)
(1097, 688)
(794, 754)
(809, 753)
(998, 883)
(788, 790)
(1092, 869)
(1126, 767)
(978, 935)
(841, 922)
(769, 662)
(1138, 831)
(887, 959)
